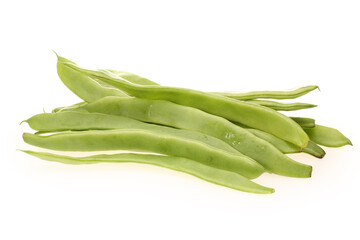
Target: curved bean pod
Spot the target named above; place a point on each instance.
(291, 94)
(249, 114)
(72, 121)
(210, 174)
(326, 136)
(279, 106)
(175, 115)
(147, 141)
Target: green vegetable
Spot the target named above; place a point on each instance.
(70, 120)
(246, 113)
(210, 174)
(290, 94)
(326, 136)
(270, 94)
(171, 114)
(147, 141)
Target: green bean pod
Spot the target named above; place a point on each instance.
(279, 106)
(252, 115)
(210, 174)
(178, 116)
(75, 121)
(291, 94)
(286, 147)
(326, 136)
(147, 141)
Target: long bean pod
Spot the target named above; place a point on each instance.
(175, 115)
(202, 171)
(290, 94)
(73, 121)
(249, 114)
(147, 141)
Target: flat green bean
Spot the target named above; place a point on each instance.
(279, 106)
(147, 141)
(210, 174)
(183, 117)
(75, 121)
(326, 136)
(252, 115)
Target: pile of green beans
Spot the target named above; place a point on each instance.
(226, 138)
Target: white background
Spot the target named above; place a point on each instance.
(204, 45)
